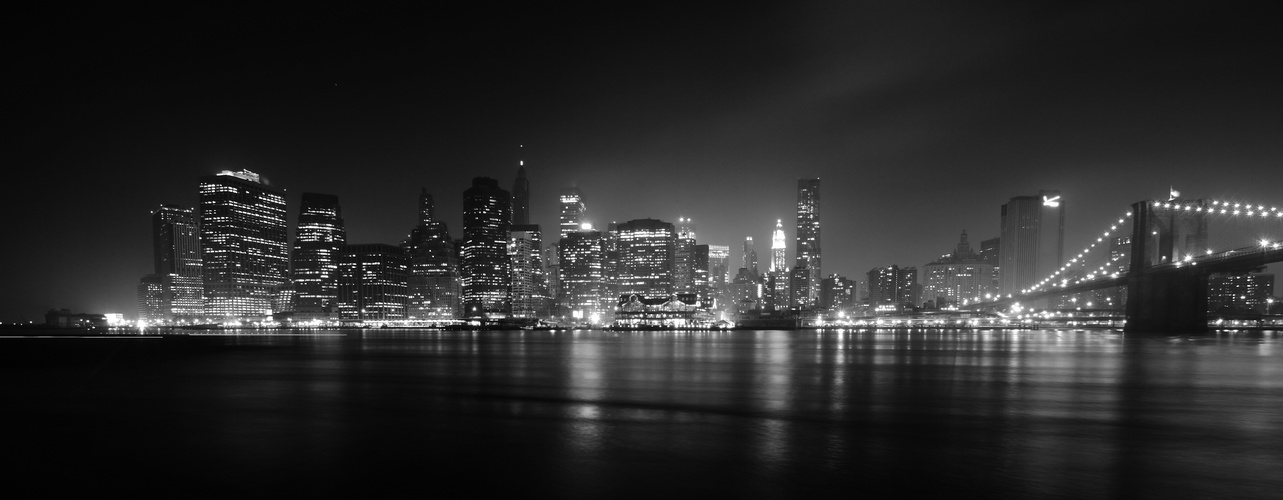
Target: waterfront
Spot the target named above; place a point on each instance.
(591, 414)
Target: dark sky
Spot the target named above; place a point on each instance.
(921, 119)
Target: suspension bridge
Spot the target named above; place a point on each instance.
(1164, 266)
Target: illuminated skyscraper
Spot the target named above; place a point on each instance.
(957, 276)
(646, 255)
(521, 196)
(318, 242)
(719, 265)
(778, 249)
(175, 290)
(893, 287)
(684, 268)
(243, 244)
(572, 210)
(487, 272)
(434, 288)
(529, 287)
(373, 282)
(749, 260)
(808, 242)
(1031, 246)
(584, 294)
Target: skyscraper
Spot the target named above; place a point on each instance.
(778, 250)
(719, 266)
(750, 256)
(1031, 245)
(521, 196)
(175, 288)
(957, 276)
(318, 243)
(646, 255)
(373, 282)
(433, 286)
(893, 287)
(684, 268)
(529, 287)
(584, 293)
(572, 210)
(808, 240)
(487, 213)
(243, 243)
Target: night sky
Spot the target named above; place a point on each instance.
(921, 120)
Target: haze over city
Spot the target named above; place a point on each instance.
(920, 119)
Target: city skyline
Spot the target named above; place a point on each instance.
(919, 128)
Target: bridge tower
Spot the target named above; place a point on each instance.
(1173, 299)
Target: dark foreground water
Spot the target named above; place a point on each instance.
(767, 414)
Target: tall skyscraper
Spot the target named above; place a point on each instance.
(1032, 242)
(529, 287)
(373, 282)
(684, 268)
(750, 256)
(584, 293)
(572, 210)
(434, 285)
(521, 196)
(808, 241)
(487, 272)
(719, 265)
(318, 243)
(175, 289)
(243, 244)
(778, 250)
(646, 255)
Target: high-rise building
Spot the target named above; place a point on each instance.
(1239, 293)
(243, 244)
(837, 292)
(175, 289)
(373, 282)
(719, 265)
(750, 256)
(778, 249)
(584, 294)
(646, 255)
(487, 272)
(434, 284)
(893, 287)
(572, 210)
(683, 257)
(808, 240)
(318, 242)
(529, 287)
(700, 284)
(1032, 240)
(957, 276)
(521, 196)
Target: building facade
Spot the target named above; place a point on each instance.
(647, 250)
(807, 245)
(244, 252)
(573, 209)
(434, 284)
(373, 283)
(318, 242)
(529, 287)
(174, 292)
(584, 295)
(487, 270)
(957, 276)
(1031, 246)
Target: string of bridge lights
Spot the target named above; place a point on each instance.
(1210, 207)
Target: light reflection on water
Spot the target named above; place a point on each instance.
(1082, 413)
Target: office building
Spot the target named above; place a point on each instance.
(646, 257)
(373, 283)
(893, 288)
(749, 260)
(174, 292)
(719, 265)
(529, 287)
(244, 252)
(572, 210)
(487, 272)
(1239, 293)
(957, 276)
(1031, 246)
(837, 293)
(778, 250)
(584, 296)
(684, 260)
(808, 241)
(434, 284)
(318, 241)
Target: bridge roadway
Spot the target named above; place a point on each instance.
(1159, 280)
